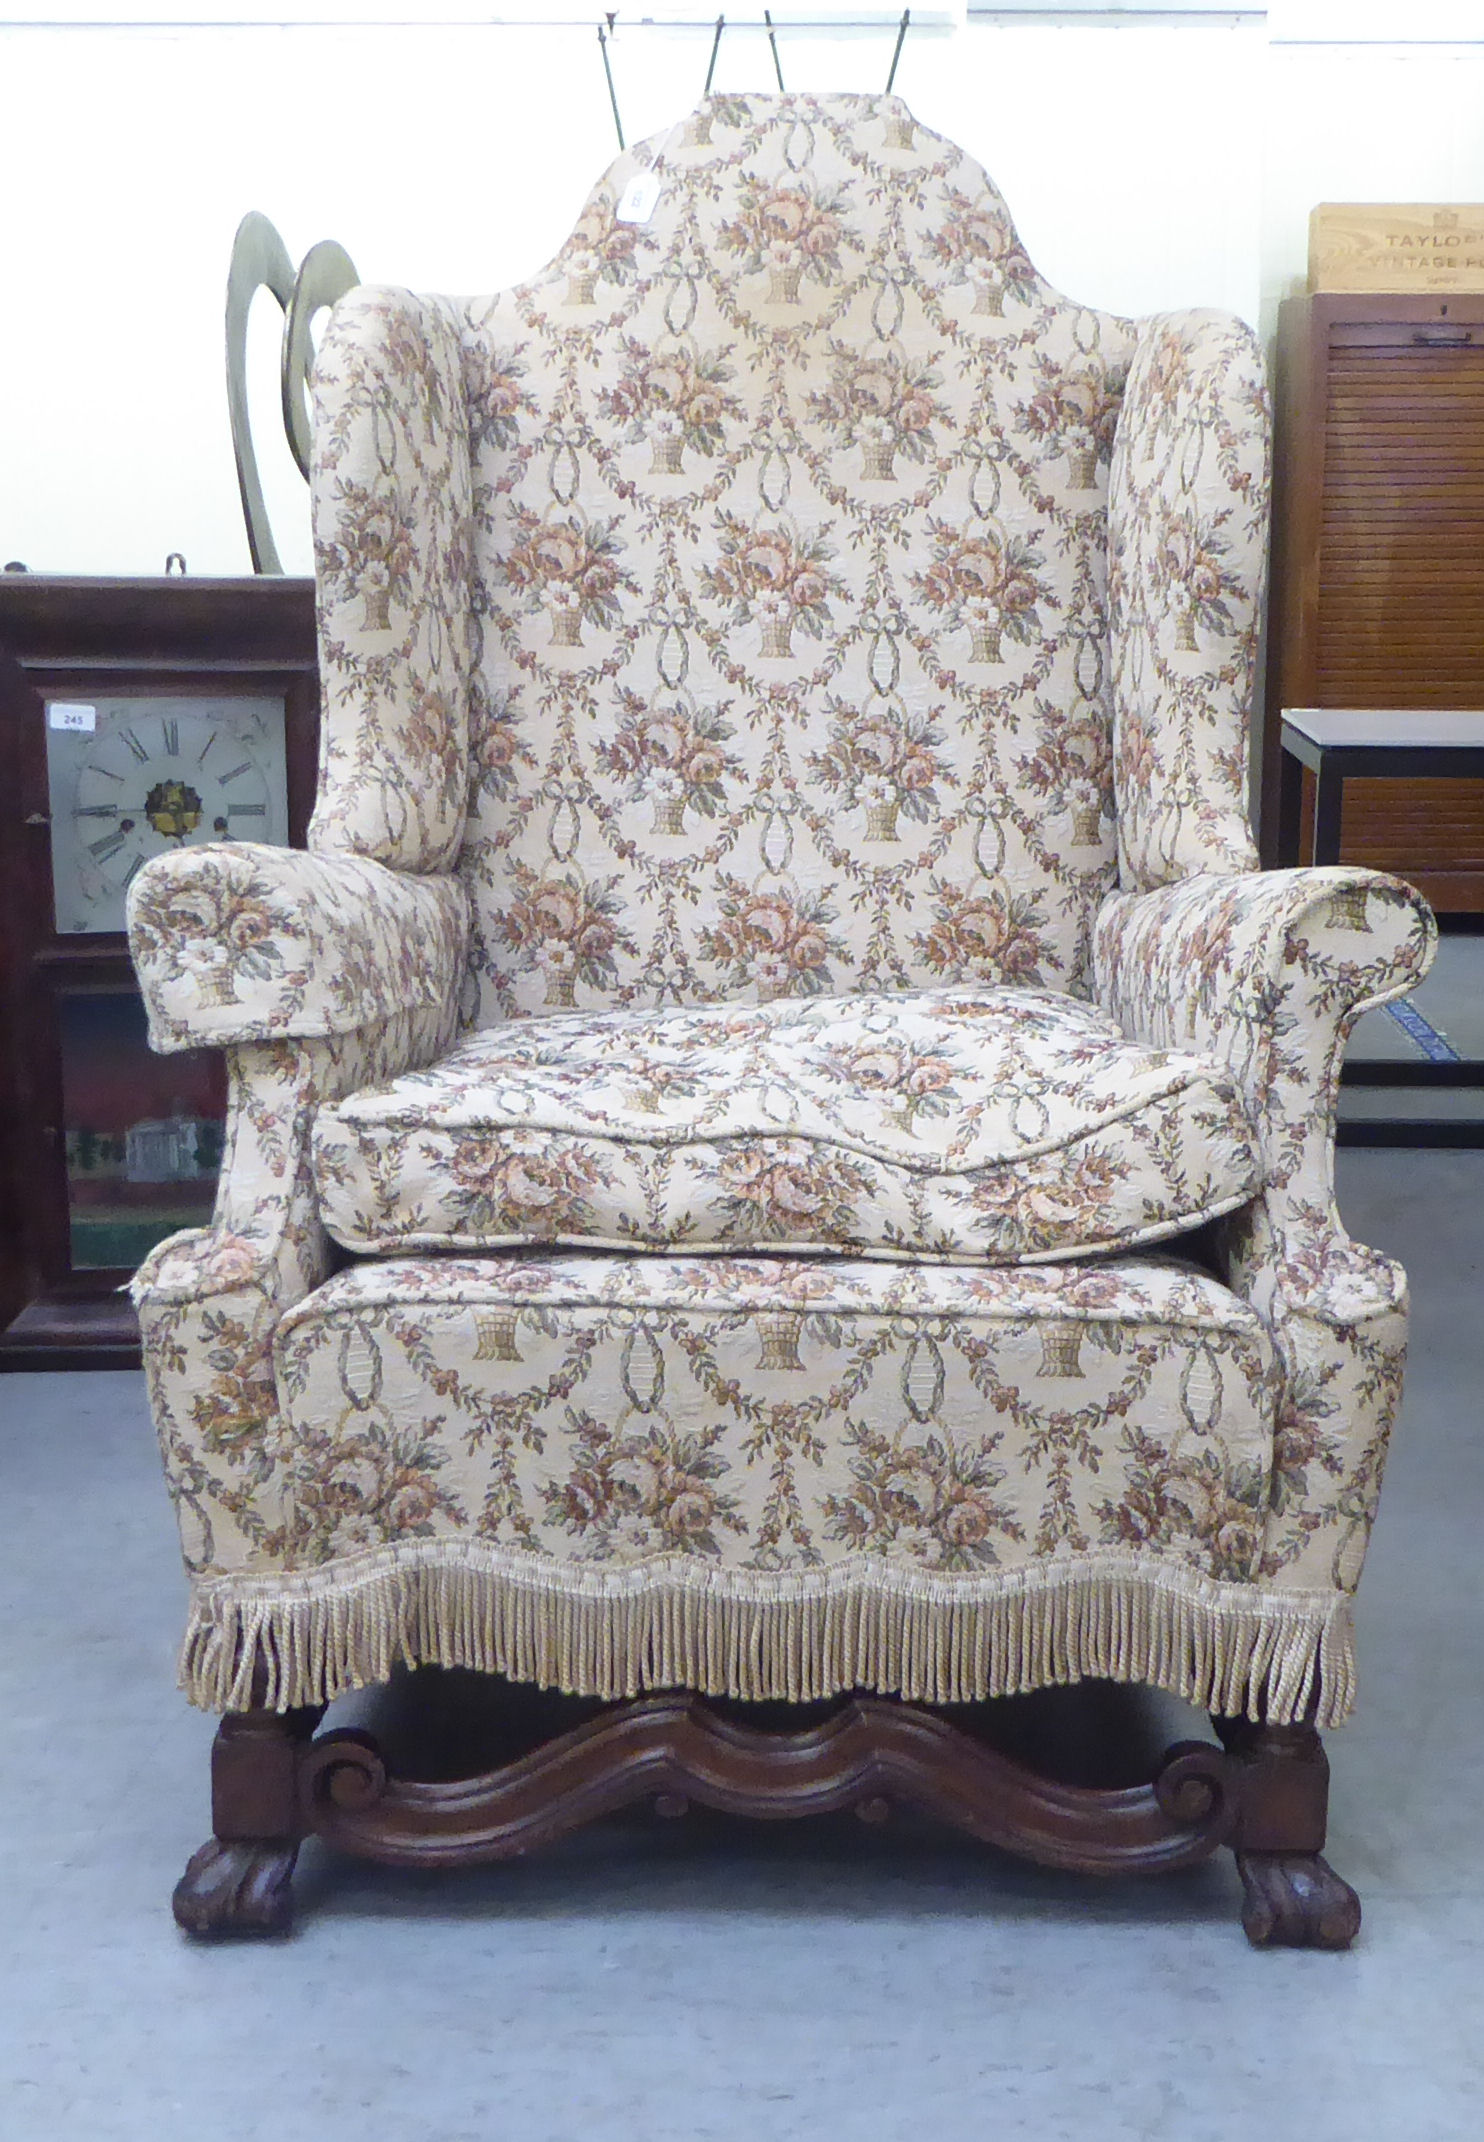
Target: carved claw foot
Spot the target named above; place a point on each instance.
(1295, 1900)
(237, 1889)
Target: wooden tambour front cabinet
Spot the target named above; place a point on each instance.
(135, 716)
(1378, 558)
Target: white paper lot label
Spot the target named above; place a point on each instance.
(70, 714)
(640, 198)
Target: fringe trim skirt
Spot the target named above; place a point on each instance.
(1230, 1648)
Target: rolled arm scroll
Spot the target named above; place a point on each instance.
(237, 943)
(1271, 972)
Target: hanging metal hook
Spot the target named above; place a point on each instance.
(608, 71)
(897, 51)
(773, 41)
(721, 23)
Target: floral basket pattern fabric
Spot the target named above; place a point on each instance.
(788, 549)
(1271, 971)
(391, 502)
(1187, 537)
(1012, 1125)
(239, 942)
(787, 674)
(658, 1443)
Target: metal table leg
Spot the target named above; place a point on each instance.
(1329, 785)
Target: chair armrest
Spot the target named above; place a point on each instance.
(1270, 971)
(210, 1301)
(392, 497)
(236, 942)
(1187, 550)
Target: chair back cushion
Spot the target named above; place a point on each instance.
(790, 545)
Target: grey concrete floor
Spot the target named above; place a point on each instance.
(677, 1983)
(1451, 999)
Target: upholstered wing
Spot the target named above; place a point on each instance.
(1187, 545)
(391, 489)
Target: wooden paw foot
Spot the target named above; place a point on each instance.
(237, 1889)
(1295, 1900)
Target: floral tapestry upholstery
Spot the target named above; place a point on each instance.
(239, 942)
(1187, 542)
(789, 578)
(391, 493)
(1004, 1124)
(1270, 971)
(783, 797)
(636, 1436)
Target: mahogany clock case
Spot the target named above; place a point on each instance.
(78, 1086)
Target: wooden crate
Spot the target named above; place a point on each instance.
(1396, 246)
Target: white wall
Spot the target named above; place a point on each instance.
(1147, 165)
(1367, 122)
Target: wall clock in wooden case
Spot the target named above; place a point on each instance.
(136, 717)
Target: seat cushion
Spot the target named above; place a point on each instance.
(1009, 1125)
(777, 1479)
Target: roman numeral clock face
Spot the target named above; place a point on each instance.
(134, 778)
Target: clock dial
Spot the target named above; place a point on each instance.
(152, 775)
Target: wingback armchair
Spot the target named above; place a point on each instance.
(780, 1146)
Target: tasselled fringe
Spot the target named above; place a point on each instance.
(1229, 1648)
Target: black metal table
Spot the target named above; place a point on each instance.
(1337, 743)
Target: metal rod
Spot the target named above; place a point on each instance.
(773, 41)
(721, 23)
(612, 92)
(897, 52)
